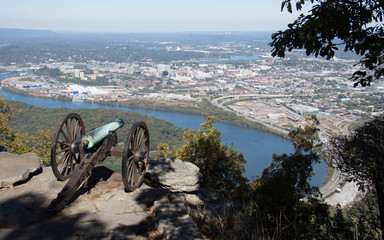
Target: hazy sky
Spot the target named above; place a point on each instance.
(144, 15)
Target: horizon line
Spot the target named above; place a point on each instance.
(141, 32)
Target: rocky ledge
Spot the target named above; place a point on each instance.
(103, 210)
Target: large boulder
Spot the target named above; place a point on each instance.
(103, 210)
(17, 168)
(172, 220)
(174, 174)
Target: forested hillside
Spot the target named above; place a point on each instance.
(31, 119)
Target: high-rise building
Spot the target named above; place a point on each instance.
(77, 73)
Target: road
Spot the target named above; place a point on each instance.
(331, 186)
(348, 191)
(216, 103)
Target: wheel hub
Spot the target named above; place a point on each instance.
(73, 147)
(137, 156)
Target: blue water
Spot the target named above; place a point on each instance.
(157, 48)
(257, 146)
(7, 75)
(233, 59)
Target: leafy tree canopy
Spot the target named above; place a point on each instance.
(19, 142)
(6, 112)
(361, 156)
(51, 72)
(221, 166)
(284, 195)
(352, 25)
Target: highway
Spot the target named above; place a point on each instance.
(331, 186)
(337, 177)
(216, 103)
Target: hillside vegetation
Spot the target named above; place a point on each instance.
(32, 119)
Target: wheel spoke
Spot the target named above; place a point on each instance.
(68, 165)
(68, 130)
(74, 128)
(69, 168)
(130, 172)
(62, 159)
(63, 143)
(78, 132)
(62, 150)
(73, 162)
(131, 145)
(127, 167)
(65, 136)
(137, 138)
(134, 141)
(142, 143)
(140, 137)
(138, 142)
(130, 158)
(71, 129)
(135, 170)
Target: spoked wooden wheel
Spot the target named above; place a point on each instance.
(135, 156)
(65, 154)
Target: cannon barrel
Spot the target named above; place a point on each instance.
(98, 134)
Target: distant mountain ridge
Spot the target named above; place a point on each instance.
(20, 46)
(18, 33)
(15, 34)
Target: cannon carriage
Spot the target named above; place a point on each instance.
(74, 153)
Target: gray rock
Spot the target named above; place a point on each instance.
(102, 211)
(17, 168)
(193, 199)
(174, 174)
(172, 220)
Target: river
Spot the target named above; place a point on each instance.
(257, 146)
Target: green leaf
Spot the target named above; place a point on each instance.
(289, 7)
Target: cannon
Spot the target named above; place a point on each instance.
(74, 153)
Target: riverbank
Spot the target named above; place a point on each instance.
(204, 108)
(255, 145)
(10, 89)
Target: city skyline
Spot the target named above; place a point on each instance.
(148, 16)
